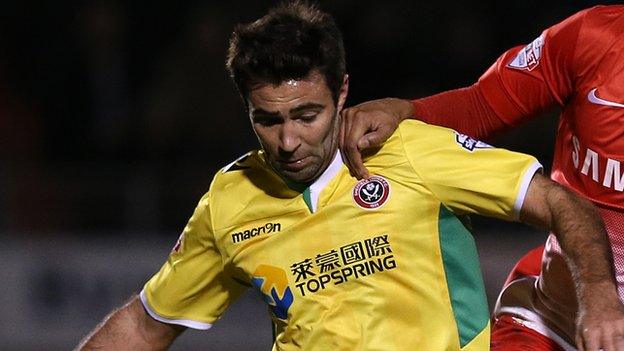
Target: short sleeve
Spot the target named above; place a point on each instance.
(532, 78)
(191, 288)
(466, 175)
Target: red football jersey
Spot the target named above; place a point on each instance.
(577, 64)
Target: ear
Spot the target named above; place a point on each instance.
(344, 90)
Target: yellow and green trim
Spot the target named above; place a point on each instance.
(463, 276)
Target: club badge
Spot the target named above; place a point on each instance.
(371, 193)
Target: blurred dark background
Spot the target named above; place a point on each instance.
(115, 114)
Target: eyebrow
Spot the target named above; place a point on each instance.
(304, 107)
(261, 112)
(308, 106)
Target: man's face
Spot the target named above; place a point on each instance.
(297, 123)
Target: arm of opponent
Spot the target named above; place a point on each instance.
(369, 124)
(131, 328)
(580, 231)
(524, 81)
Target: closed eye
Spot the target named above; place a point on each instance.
(308, 117)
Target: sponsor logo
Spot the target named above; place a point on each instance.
(273, 284)
(528, 57)
(250, 233)
(603, 170)
(469, 143)
(332, 268)
(594, 99)
(340, 265)
(371, 193)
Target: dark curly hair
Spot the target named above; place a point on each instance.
(289, 42)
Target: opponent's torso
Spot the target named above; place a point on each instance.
(577, 64)
(589, 158)
(589, 152)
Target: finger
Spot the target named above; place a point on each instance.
(608, 341)
(353, 160)
(344, 120)
(619, 336)
(346, 114)
(619, 343)
(345, 147)
(579, 342)
(359, 171)
(616, 336)
(359, 128)
(352, 155)
(591, 339)
(374, 138)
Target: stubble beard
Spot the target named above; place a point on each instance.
(308, 175)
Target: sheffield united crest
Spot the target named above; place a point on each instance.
(371, 193)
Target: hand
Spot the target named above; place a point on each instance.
(367, 125)
(602, 329)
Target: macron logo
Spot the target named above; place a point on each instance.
(250, 233)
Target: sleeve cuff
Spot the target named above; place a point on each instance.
(524, 187)
(184, 322)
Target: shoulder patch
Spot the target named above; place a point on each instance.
(529, 56)
(469, 143)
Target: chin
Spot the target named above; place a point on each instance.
(305, 176)
(297, 178)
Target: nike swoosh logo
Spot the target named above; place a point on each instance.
(591, 96)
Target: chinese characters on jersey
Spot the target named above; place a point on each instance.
(351, 261)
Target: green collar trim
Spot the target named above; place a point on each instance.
(308, 199)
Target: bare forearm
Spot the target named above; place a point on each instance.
(130, 328)
(580, 231)
(583, 238)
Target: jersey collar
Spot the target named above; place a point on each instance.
(311, 193)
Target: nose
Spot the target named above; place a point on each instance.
(289, 137)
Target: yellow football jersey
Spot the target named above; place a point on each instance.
(379, 264)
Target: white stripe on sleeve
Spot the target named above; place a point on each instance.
(184, 322)
(524, 187)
